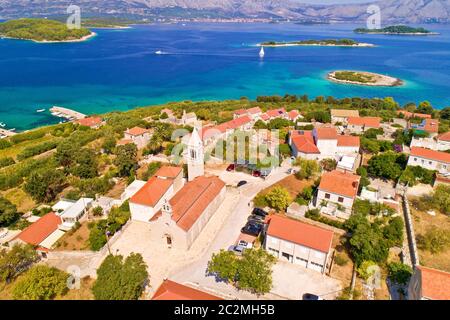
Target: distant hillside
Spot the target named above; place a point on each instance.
(393, 11)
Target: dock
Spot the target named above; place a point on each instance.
(66, 113)
(4, 133)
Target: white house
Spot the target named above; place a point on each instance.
(74, 213)
(159, 188)
(443, 141)
(336, 193)
(139, 136)
(254, 113)
(131, 189)
(362, 124)
(430, 159)
(429, 284)
(299, 243)
(342, 115)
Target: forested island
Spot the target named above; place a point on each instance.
(323, 42)
(43, 30)
(363, 78)
(396, 30)
(110, 23)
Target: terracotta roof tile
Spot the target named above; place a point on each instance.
(168, 172)
(343, 113)
(170, 290)
(326, 133)
(137, 131)
(123, 142)
(348, 141)
(240, 112)
(304, 142)
(430, 154)
(254, 110)
(435, 283)
(293, 114)
(372, 122)
(341, 183)
(445, 136)
(301, 233)
(431, 125)
(191, 201)
(90, 121)
(152, 191)
(275, 113)
(41, 229)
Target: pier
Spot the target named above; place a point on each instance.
(66, 113)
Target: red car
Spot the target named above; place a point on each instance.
(256, 174)
(231, 167)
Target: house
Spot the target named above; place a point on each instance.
(342, 115)
(150, 198)
(443, 141)
(168, 112)
(131, 190)
(254, 113)
(183, 216)
(362, 124)
(188, 118)
(298, 243)
(277, 113)
(336, 193)
(347, 163)
(42, 234)
(224, 130)
(428, 125)
(409, 115)
(429, 284)
(137, 135)
(428, 143)
(170, 290)
(323, 142)
(294, 115)
(430, 159)
(92, 122)
(74, 213)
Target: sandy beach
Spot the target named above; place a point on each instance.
(85, 38)
(379, 80)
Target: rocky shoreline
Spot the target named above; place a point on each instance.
(379, 79)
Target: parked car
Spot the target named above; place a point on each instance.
(256, 174)
(245, 244)
(252, 229)
(231, 167)
(310, 296)
(239, 250)
(256, 218)
(241, 183)
(259, 212)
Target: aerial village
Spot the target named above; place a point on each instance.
(336, 204)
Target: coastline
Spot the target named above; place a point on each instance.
(380, 80)
(402, 34)
(85, 38)
(358, 45)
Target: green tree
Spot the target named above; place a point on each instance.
(367, 243)
(66, 153)
(328, 164)
(399, 273)
(109, 144)
(86, 164)
(387, 165)
(445, 113)
(126, 159)
(441, 198)
(224, 265)
(45, 184)
(393, 232)
(278, 198)
(41, 283)
(119, 279)
(15, 261)
(308, 168)
(434, 240)
(425, 107)
(8, 212)
(255, 271)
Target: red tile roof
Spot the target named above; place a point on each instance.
(254, 110)
(90, 121)
(445, 136)
(191, 201)
(168, 172)
(372, 122)
(240, 112)
(304, 142)
(293, 114)
(301, 233)
(137, 131)
(40, 230)
(348, 141)
(170, 290)
(123, 142)
(431, 125)
(275, 113)
(435, 283)
(344, 113)
(152, 191)
(341, 183)
(430, 154)
(223, 127)
(326, 133)
(408, 114)
(265, 117)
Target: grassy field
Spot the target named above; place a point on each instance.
(422, 222)
(76, 240)
(14, 150)
(20, 198)
(293, 185)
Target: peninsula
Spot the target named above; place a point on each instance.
(397, 30)
(43, 30)
(323, 43)
(363, 78)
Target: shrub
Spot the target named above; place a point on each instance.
(399, 273)
(4, 162)
(434, 240)
(278, 198)
(340, 260)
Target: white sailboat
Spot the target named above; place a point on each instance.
(261, 52)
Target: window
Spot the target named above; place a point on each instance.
(415, 159)
(327, 196)
(429, 162)
(340, 199)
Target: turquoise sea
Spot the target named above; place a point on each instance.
(119, 70)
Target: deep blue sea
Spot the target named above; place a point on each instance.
(119, 70)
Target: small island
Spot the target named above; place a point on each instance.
(363, 78)
(397, 30)
(110, 23)
(324, 43)
(43, 31)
